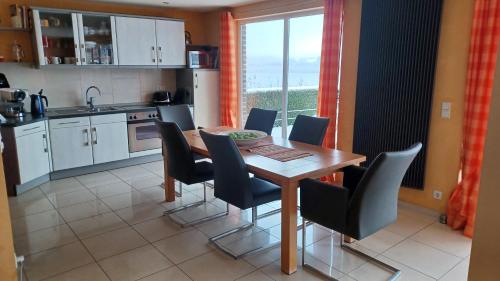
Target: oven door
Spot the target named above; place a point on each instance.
(143, 136)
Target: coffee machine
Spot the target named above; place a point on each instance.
(11, 100)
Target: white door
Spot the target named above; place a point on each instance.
(136, 41)
(206, 98)
(32, 156)
(110, 142)
(170, 42)
(71, 147)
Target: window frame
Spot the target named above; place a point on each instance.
(286, 17)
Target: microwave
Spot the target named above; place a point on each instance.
(198, 59)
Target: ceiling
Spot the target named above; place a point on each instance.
(186, 4)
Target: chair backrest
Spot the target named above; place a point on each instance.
(179, 114)
(308, 129)
(374, 203)
(261, 120)
(179, 155)
(232, 181)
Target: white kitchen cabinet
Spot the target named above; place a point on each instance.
(56, 36)
(170, 42)
(85, 141)
(109, 138)
(136, 39)
(203, 85)
(97, 38)
(67, 37)
(32, 151)
(71, 147)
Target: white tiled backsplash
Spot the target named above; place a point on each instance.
(66, 86)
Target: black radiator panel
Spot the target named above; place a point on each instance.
(396, 68)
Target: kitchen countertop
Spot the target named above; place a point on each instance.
(79, 111)
(27, 119)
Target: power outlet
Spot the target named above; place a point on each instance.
(438, 195)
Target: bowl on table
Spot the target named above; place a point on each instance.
(246, 137)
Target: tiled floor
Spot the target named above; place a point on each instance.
(109, 226)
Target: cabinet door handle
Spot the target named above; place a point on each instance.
(196, 81)
(67, 123)
(153, 54)
(31, 129)
(160, 55)
(86, 133)
(45, 144)
(95, 135)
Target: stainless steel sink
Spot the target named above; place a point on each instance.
(85, 110)
(103, 109)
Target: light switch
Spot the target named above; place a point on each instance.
(446, 110)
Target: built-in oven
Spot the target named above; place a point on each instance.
(142, 132)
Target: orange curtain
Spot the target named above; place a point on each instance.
(330, 67)
(330, 70)
(481, 69)
(228, 73)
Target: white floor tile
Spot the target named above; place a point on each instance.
(444, 238)
(423, 258)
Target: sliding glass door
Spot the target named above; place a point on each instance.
(280, 62)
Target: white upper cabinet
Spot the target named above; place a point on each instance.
(97, 37)
(56, 34)
(68, 38)
(85, 38)
(170, 43)
(136, 41)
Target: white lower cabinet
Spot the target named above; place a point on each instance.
(71, 147)
(32, 154)
(109, 142)
(84, 141)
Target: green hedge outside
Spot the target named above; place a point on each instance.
(305, 101)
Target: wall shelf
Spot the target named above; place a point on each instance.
(13, 29)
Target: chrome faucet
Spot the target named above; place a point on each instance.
(90, 102)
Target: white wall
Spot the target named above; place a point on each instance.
(66, 86)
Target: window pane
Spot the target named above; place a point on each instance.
(303, 65)
(262, 68)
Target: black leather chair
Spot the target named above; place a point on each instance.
(308, 129)
(183, 168)
(234, 185)
(366, 203)
(181, 115)
(261, 120)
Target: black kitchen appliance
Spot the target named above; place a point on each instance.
(37, 106)
(3, 81)
(183, 95)
(162, 98)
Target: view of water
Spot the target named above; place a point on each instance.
(268, 73)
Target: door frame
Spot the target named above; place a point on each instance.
(286, 54)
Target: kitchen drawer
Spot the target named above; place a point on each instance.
(108, 118)
(29, 129)
(69, 122)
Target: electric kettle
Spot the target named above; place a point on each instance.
(37, 107)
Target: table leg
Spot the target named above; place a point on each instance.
(289, 227)
(169, 183)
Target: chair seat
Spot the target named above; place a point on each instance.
(264, 191)
(197, 156)
(204, 171)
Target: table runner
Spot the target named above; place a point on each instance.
(276, 152)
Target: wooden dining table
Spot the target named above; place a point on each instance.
(321, 162)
